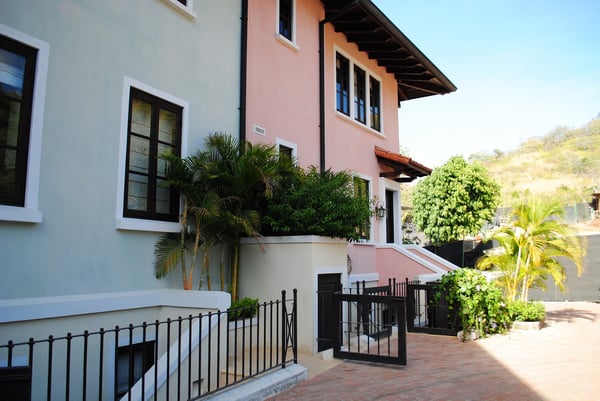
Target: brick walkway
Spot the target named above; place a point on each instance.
(561, 362)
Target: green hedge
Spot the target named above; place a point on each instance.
(244, 308)
(521, 311)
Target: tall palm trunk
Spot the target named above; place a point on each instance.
(525, 284)
(234, 273)
(222, 265)
(515, 281)
(206, 265)
(186, 284)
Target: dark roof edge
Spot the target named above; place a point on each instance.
(395, 32)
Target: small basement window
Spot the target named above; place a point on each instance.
(131, 362)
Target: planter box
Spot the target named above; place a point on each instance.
(528, 325)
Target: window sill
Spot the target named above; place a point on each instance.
(286, 42)
(20, 214)
(125, 223)
(185, 10)
(359, 124)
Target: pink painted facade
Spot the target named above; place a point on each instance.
(285, 107)
(283, 79)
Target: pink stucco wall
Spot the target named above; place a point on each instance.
(283, 79)
(392, 264)
(283, 98)
(350, 146)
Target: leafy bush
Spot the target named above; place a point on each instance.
(521, 311)
(458, 198)
(315, 203)
(482, 308)
(244, 308)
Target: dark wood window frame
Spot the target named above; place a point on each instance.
(342, 84)
(286, 19)
(375, 103)
(286, 151)
(360, 95)
(361, 190)
(12, 191)
(153, 174)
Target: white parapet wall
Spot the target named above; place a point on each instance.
(285, 263)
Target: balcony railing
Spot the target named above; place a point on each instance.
(185, 358)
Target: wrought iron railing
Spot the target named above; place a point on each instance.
(183, 358)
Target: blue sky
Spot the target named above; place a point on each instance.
(522, 68)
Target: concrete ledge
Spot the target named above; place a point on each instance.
(265, 386)
(538, 325)
(21, 309)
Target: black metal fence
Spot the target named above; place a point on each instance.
(184, 358)
(427, 313)
(366, 331)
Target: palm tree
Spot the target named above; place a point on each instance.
(224, 190)
(243, 176)
(534, 246)
(200, 207)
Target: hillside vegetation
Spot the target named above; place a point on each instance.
(564, 165)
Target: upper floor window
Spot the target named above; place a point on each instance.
(342, 84)
(355, 86)
(359, 95)
(23, 71)
(286, 19)
(17, 69)
(154, 129)
(375, 103)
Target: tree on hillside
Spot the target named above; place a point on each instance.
(533, 247)
(456, 200)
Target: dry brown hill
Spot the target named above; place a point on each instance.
(565, 164)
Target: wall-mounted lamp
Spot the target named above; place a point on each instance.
(379, 210)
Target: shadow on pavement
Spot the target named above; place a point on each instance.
(569, 315)
(439, 368)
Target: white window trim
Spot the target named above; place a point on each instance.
(287, 144)
(187, 10)
(30, 213)
(292, 44)
(368, 74)
(128, 223)
(369, 179)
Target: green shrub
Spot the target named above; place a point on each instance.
(244, 308)
(482, 307)
(521, 311)
(315, 203)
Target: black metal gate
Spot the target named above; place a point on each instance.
(371, 327)
(425, 314)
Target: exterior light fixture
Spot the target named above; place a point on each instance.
(379, 210)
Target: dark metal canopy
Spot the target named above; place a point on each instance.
(398, 167)
(372, 31)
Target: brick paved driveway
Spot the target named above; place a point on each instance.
(560, 362)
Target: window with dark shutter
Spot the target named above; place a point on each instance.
(17, 73)
(154, 129)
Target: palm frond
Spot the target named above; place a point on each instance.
(168, 251)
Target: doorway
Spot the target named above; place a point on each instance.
(327, 327)
(389, 217)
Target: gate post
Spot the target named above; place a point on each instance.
(283, 329)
